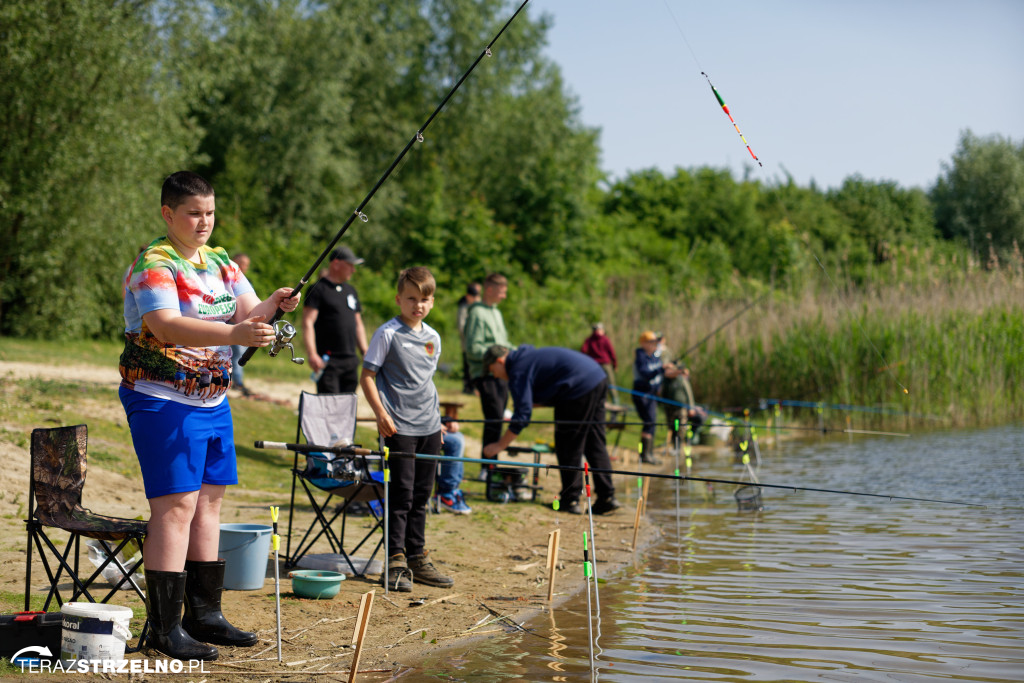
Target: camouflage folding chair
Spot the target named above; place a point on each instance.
(57, 476)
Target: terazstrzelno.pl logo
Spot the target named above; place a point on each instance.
(30, 660)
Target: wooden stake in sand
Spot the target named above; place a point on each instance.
(552, 560)
(362, 621)
(646, 495)
(636, 519)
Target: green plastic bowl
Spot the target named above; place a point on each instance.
(316, 584)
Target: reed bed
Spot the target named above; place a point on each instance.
(939, 344)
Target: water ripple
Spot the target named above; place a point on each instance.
(816, 587)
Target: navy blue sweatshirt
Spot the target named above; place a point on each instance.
(547, 376)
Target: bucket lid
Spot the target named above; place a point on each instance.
(247, 528)
(96, 610)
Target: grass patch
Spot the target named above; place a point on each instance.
(11, 601)
(105, 353)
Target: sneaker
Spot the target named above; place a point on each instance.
(399, 578)
(605, 505)
(423, 571)
(572, 507)
(454, 502)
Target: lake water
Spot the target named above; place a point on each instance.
(815, 587)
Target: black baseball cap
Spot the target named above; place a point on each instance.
(345, 254)
(492, 354)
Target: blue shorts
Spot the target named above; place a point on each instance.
(180, 447)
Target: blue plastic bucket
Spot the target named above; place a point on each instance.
(244, 548)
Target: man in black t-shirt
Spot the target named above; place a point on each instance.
(332, 325)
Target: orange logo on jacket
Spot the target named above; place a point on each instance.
(429, 348)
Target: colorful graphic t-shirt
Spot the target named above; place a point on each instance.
(161, 279)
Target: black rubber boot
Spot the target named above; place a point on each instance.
(203, 619)
(165, 593)
(647, 451)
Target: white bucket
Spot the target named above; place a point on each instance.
(94, 631)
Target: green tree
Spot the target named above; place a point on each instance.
(291, 120)
(88, 127)
(980, 194)
(884, 215)
(510, 138)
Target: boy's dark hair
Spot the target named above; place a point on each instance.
(181, 185)
(495, 280)
(419, 277)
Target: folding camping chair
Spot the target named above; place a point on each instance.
(326, 419)
(56, 480)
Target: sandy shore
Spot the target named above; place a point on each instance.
(497, 557)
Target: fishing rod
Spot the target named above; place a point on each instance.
(286, 331)
(353, 451)
(745, 423)
(733, 422)
(763, 404)
(728, 322)
(665, 401)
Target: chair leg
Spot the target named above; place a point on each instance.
(325, 524)
(126, 574)
(62, 559)
(30, 523)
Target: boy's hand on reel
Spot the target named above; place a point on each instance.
(253, 332)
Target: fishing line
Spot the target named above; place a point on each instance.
(593, 545)
(763, 404)
(721, 101)
(718, 329)
(734, 421)
(358, 212)
(714, 90)
(677, 448)
(680, 29)
(357, 451)
(587, 573)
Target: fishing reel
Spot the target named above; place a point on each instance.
(284, 332)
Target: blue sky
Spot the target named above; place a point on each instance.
(822, 89)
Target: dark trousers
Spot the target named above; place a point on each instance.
(579, 433)
(412, 482)
(674, 414)
(493, 398)
(647, 409)
(341, 376)
(467, 381)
